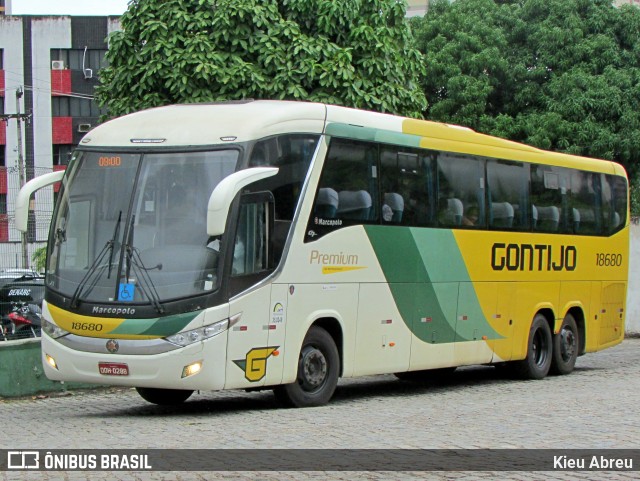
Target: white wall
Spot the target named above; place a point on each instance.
(47, 33)
(11, 44)
(633, 291)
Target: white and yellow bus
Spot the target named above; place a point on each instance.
(283, 245)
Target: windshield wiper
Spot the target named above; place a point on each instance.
(96, 267)
(141, 271)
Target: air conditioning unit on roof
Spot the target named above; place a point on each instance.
(57, 65)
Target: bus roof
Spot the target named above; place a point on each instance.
(229, 122)
(207, 124)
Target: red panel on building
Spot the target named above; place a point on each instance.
(60, 82)
(57, 168)
(4, 228)
(1, 83)
(3, 133)
(3, 180)
(62, 130)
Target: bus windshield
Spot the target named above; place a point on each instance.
(131, 227)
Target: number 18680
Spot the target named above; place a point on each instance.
(608, 260)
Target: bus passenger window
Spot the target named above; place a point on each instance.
(550, 192)
(406, 186)
(508, 193)
(461, 190)
(348, 189)
(614, 202)
(586, 203)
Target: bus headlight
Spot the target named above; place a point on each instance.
(200, 334)
(52, 330)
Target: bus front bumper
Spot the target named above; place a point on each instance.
(168, 370)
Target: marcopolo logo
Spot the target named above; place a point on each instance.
(118, 311)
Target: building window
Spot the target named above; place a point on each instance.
(62, 154)
(80, 59)
(74, 107)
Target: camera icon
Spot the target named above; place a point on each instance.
(23, 460)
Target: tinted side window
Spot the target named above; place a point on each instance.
(614, 202)
(348, 189)
(461, 191)
(549, 202)
(292, 155)
(508, 193)
(407, 186)
(585, 207)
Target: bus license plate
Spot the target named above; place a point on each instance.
(113, 369)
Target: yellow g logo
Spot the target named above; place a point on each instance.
(254, 364)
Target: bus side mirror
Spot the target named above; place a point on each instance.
(24, 195)
(224, 193)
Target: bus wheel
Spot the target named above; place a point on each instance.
(566, 345)
(164, 397)
(426, 375)
(318, 372)
(539, 352)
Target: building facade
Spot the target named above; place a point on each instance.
(48, 73)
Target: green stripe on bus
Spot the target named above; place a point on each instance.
(159, 326)
(372, 135)
(425, 272)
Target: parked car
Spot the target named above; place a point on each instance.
(9, 275)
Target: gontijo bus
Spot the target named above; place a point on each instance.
(268, 244)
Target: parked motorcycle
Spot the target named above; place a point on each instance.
(24, 321)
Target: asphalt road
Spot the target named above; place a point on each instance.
(596, 408)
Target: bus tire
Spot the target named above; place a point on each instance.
(318, 372)
(426, 375)
(566, 346)
(164, 397)
(539, 351)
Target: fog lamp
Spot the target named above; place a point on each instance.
(192, 369)
(51, 361)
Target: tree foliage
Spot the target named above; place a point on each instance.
(558, 74)
(358, 53)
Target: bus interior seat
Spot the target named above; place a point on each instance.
(616, 221)
(396, 203)
(548, 218)
(354, 204)
(326, 203)
(502, 214)
(452, 214)
(575, 213)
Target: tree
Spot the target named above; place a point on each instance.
(357, 53)
(468, 72)
(39, 258)
(562, 75)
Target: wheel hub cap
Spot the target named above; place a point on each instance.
(568, 344)
(313, 368)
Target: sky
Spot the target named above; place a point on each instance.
(68, 7)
